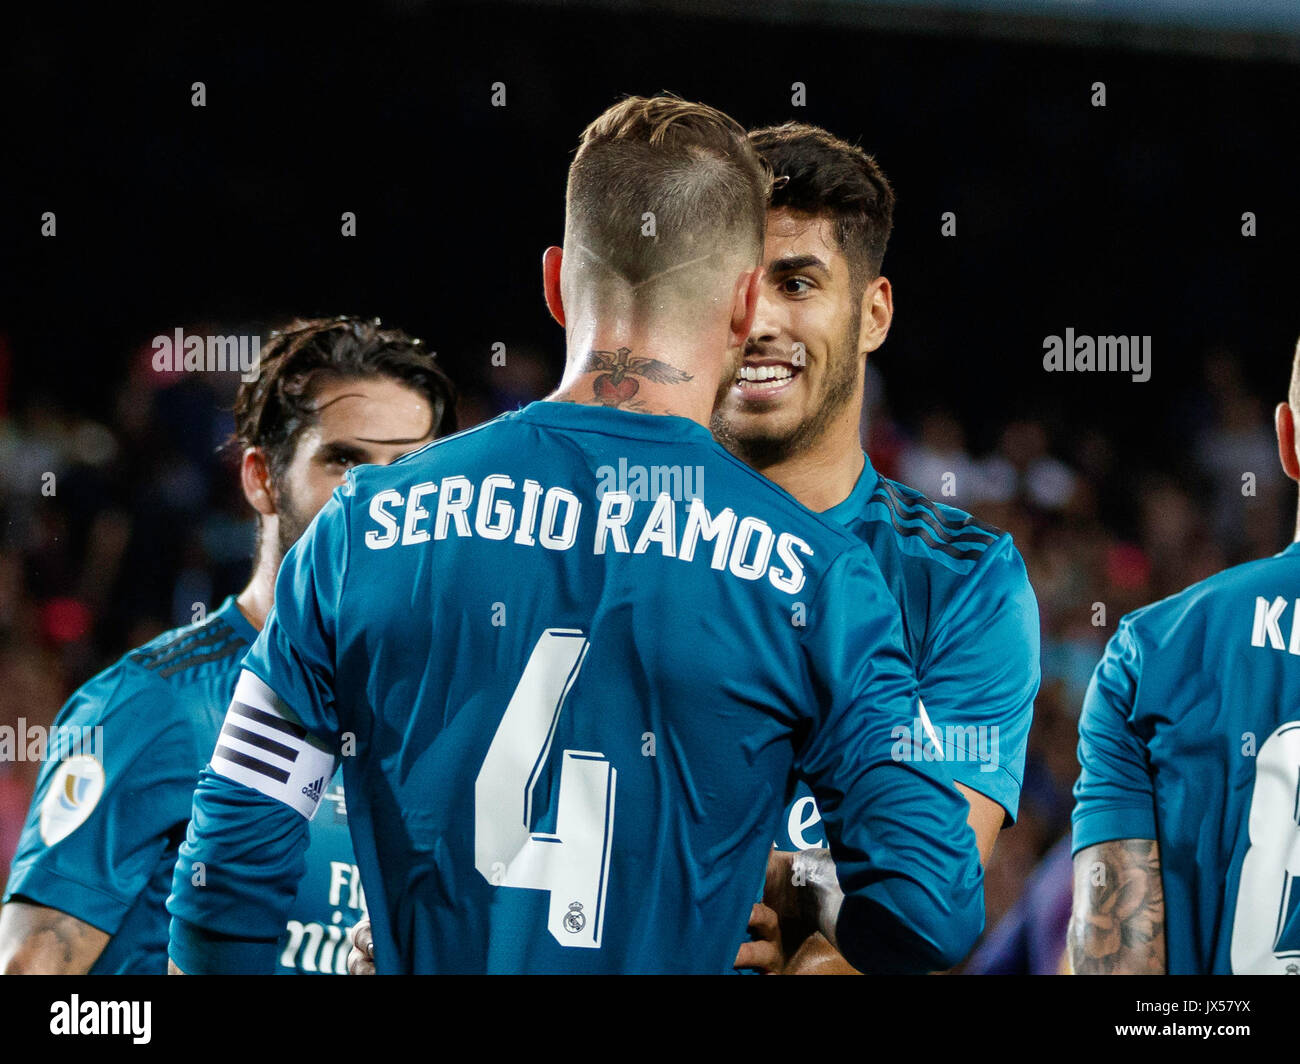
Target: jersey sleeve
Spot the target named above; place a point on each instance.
(238, 870)
(1114, 797)
(235, 879)
(980, 674)
(896, 826)
(107, 800)
(294, 654)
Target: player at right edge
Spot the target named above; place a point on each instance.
(1186, 840)
(569, 719)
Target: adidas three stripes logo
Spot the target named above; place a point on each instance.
(262, 746)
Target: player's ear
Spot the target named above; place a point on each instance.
(551, 260)
(1284, 420)
(877, 314)
(744, 305)
(255, 479)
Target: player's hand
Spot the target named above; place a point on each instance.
(361, 960)
(780, 922)
(764, 954)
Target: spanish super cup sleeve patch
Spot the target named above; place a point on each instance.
(263, 746)
(74, 792)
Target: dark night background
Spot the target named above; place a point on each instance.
(1124, 219)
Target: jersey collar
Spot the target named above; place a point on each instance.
(844, 512)
(611, 422)
(230, 612)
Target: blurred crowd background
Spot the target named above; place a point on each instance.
(1126, 219)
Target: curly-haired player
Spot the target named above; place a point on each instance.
(94, 864)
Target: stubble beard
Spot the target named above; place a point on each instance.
(291, 524)
(762, 449)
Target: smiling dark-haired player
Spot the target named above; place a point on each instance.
(970, 619)
(95, 861)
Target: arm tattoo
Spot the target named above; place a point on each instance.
(1118, 923)
(62, 937)
(37, 939)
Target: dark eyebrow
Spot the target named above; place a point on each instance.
(351, 447)
(413, 439)
(796, 262)
(340, 448)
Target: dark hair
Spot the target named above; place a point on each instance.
(688, 163)
(272, 410)
(817, 173)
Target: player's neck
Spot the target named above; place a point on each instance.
(627, 369)
(824, 473)
(258, 596)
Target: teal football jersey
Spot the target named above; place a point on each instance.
(570, 713)
(970, 622)
(109, 811)
(1190, 735)
(329, 900)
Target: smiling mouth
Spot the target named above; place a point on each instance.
(765, 380)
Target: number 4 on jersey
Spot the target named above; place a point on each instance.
(573, 863)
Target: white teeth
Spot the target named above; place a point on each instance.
(764, 374)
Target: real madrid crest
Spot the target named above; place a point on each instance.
(575, 919)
